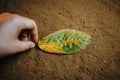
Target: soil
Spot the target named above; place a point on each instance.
(99, 61)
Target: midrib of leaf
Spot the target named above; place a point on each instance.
(57, 43)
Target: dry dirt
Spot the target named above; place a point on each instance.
(99, 61)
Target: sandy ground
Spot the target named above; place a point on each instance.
(99, 61)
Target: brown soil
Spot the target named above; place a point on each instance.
(99, 61)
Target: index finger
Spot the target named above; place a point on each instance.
(26, 23)
(34, 33)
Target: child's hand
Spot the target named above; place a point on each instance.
(15, 34)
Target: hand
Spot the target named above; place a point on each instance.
(17, 34)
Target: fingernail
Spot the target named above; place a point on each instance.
(32, 45)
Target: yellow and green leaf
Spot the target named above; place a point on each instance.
(65, 41)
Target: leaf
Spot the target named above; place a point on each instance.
(65, 41)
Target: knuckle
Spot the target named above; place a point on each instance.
(33, 34)
(15, 17)
(33, 22)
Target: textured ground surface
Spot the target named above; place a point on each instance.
(99, 61)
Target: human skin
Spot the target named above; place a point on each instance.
(17, 34)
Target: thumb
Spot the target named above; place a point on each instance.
(24, 45)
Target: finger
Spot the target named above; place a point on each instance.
(34, 34)
(24, 35)
(22, 46)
